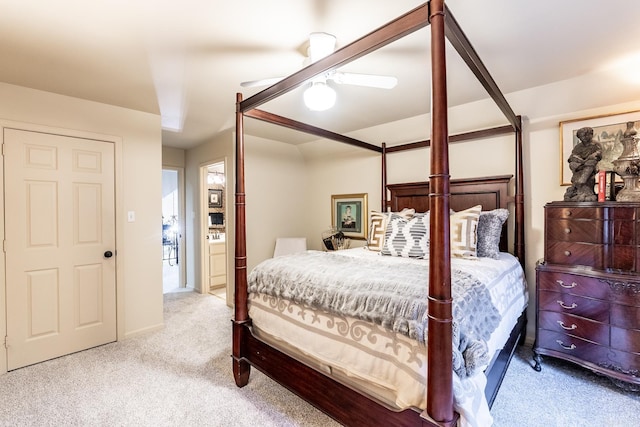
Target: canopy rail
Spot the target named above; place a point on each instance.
(461, 137)
(313, 130)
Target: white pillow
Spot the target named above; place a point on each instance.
(378, 225)
(408, 238)
(464, 232)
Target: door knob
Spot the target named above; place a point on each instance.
(108, 254)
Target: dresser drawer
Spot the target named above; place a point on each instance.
(573, 212)
(571, 304)
(570, 253)
(576, 348)
(579, 350)
(624, 258)
(625, 316)
(573, 284)
(575, 325)
(623, 232)
(625, 339)
(569, 230)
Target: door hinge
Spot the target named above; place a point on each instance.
(6, 341)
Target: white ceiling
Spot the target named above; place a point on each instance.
(185, 60)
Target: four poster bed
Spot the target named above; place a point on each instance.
(360, 364)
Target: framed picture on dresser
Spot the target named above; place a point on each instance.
(607, 131)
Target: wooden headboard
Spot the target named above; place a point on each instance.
(490, 192)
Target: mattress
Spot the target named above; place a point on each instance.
(388, 366)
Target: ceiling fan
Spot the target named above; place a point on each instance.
(319, 96)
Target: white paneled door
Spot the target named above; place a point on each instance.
(60, 245)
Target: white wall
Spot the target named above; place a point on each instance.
(173, 157)
(277, 196)
(138, 188)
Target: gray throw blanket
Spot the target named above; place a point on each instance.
(389, 294)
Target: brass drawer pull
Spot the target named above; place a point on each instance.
(567, 230)
(571, 347)
(567, 253)
(568, 328)
(568, 307)
(561, 283)
(567, 212)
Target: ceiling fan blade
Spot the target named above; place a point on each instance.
(370, 80)
(261, 82)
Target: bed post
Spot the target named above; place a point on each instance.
(241, 368)
(518, 243)
(439, 341)
(383, 194)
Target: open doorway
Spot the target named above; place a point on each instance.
(172, 226)
(214, 253)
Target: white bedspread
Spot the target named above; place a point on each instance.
(387, 365)
(387, 294)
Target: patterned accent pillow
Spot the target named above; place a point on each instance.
(407, 238)
(489, 231)
(378, 224)
(464, 229)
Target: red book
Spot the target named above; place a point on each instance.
(602, 185)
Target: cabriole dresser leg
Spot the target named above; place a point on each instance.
(538, 359)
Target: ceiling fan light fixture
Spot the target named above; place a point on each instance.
(319, 96)
(321, 45)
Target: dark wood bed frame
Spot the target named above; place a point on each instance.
(439, 194)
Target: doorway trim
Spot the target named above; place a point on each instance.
(119, 230)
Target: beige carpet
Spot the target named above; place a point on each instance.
(181, 376)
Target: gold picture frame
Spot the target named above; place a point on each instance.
(349, 214)
(607, 131)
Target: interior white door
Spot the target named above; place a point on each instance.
(60, 245)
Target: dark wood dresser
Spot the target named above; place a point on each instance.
(588, 288)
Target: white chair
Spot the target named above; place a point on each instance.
(289, 245)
